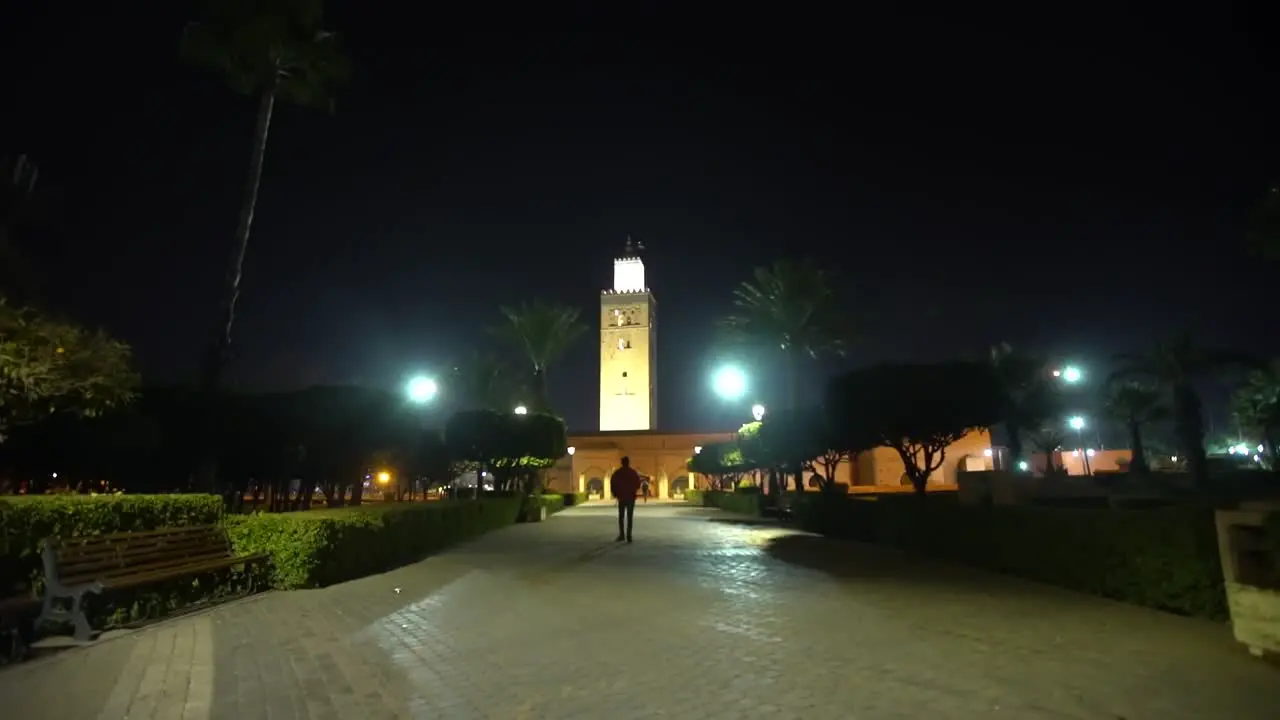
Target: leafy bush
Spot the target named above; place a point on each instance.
(553, 502)
(322, 547)
(1164, 558)
(571, 499)
(747, 503)
(25, 521)
(694, 497)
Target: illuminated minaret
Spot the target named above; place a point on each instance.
(628, 351)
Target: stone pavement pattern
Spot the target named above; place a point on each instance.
(705, 617)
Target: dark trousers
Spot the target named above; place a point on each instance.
(627, 510)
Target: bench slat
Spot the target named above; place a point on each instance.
(90, 550)
(108, 572)
(89, 540)
(122, 549)
(180, 571)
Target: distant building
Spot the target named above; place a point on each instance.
(628, 411)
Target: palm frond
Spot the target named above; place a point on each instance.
(261, 44)
(542, 331)
(788, 306)
(1136, 401)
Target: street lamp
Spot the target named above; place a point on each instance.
(384, 478)
(697, 449)
(572, 450)
(1077, 423)
(422, 389)
(1070, 374)
(757, 412)
(729, 382)
(521, 410)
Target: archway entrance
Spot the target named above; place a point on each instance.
(679, 486)
(595, 488)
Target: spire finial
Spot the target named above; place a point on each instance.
(633, 247)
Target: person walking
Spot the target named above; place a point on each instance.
(644, 488)
(624, 484)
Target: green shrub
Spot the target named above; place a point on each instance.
(1164, 558)
(747, 503)
(571, 499)
(694, 497)
(322, 547)
(553, 502)
(26, 520)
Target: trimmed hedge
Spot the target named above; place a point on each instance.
(747, 503)
(694, 497)
(1164, 558)
(571, 499)
(553, 502)
(26, 520)
(322, 547)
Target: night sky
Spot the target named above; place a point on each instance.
(1076, 184)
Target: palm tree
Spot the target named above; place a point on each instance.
(1048, 439)
(543, 332)
(1027, 399)
(1135, 404)
(272, 50)
(789, 306)
(1176, 366)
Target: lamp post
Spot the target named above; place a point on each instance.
(757, 412)
(1077, 423)
(521, 410)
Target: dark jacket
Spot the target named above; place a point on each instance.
(625, 483)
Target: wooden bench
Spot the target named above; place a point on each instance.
(94, 563)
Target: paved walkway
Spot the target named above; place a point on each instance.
(703, 617)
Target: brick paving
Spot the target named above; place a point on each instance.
(705, 617)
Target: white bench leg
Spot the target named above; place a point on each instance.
(84, 633)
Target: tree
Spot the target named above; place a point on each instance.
(844, 439)
(789, 306)
(918, 410)
(516, 448)
(1256, 405)
(1028, 399)
(1176, 366)
(48, 367)
(271, 50)
(1136, 404)
(1048, 439)
(722, 461)
(484, 383)
(543, 332)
